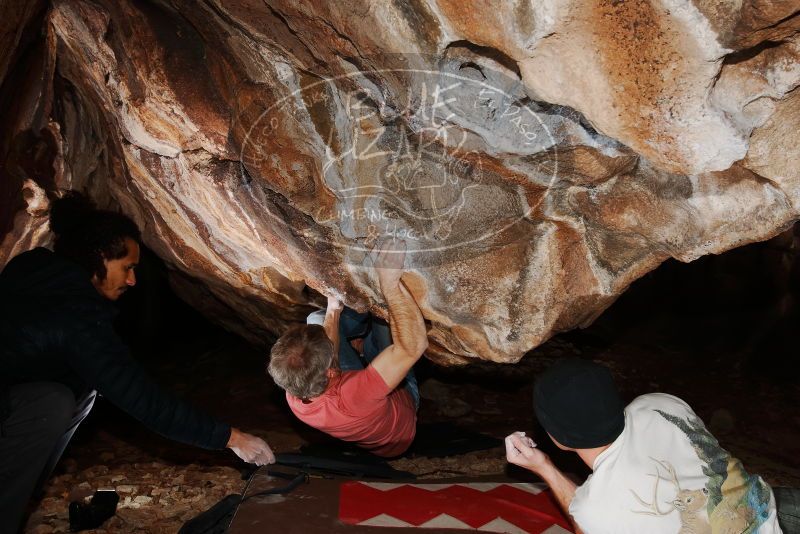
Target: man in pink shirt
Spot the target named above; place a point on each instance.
(329, 388)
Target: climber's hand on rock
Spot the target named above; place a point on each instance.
(334, 304)
(390, 260)
(249, 448)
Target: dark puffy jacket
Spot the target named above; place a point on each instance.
(55, 327)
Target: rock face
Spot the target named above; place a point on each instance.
(536, 157)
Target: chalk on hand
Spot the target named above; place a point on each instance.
(525, 439)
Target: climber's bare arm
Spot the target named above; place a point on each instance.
(331, 324)
(409, 335)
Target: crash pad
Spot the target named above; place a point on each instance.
(333, 505)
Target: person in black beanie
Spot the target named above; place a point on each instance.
(655, 466)
(57, 346)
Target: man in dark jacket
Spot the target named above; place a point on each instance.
(57, 345)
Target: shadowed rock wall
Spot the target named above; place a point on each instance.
(536, 157)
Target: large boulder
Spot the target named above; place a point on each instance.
(536, 157)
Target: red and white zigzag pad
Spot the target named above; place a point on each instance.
(486, 507)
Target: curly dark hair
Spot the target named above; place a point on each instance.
(87, 235)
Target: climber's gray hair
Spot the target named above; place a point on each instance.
(300, 359)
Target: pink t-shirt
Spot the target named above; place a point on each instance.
(359, 407)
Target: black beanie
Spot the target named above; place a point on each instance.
(577, 403)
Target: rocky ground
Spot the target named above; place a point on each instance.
(716, 361)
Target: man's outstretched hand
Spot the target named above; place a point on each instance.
(249, 448)
(522, 451)
(390, 261)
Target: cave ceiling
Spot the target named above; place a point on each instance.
(536, 157)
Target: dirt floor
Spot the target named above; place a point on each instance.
(717, 353)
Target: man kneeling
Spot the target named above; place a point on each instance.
(656, 468)
(329, 388)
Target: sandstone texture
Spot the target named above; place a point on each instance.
(536, 157)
